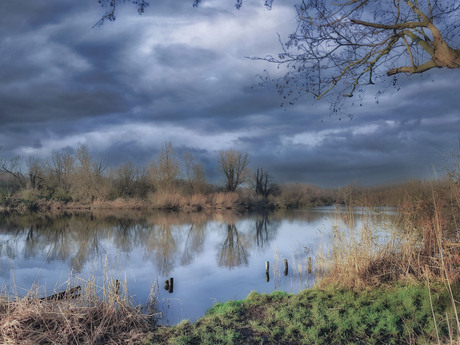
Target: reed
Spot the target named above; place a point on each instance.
(98, 315)
(223, 200)
(418, 247)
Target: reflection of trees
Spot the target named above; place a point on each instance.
(81, 238)
(266, 230)
(87, 244)
(194, 243)
(261, 231)
(64, 237)
(78, 238)
(233, 252)
(161, 247)
(48, 238)
(125, 235)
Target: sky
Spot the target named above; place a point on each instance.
(181, 74)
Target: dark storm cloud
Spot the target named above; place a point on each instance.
(43, 77)
(18, 17)
(179, 74)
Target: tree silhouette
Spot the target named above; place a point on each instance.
(340, 47)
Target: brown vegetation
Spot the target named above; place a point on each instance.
(424, 243)
(79, 181)
(95, 317)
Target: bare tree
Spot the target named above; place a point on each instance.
(62, 166)
(345, 45)
(195, 173)
(35, 173)
(262, 182)
(234, 166)
(340, 47)
(126, 176)
(13, 168)
(165, 172)
(90, 173)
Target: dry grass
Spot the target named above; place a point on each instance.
(194, 202)
(96, 317)
(120, 203)
(361, 254)
(223, 200)
(173, 200)
(421, 247)
(422, 243)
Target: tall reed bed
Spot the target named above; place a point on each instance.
(419, 246)
(98, 315)
(178, 201)
(365, 249)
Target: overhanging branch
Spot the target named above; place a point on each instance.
(413, 69)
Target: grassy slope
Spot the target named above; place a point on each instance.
(391, 315)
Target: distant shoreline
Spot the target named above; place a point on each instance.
(167, 202)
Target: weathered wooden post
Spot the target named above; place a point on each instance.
(171, 285)
(267, 266)
(267, 277)
(286, 267)
(167, 284)
(309, 265)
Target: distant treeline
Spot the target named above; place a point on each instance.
(78, 180)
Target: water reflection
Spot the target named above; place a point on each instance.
(233, 252)
(211, 257)
(165, 239)
(194, 243)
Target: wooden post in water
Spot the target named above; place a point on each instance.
(167, 284)
(309, 265)
(171, 285)
(267, 266)
(286, 267)
(267, 277)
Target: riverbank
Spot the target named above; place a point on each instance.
(393, 314)
(157, 201)
(400, 287)
(398, 314)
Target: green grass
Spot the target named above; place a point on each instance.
(391, 315)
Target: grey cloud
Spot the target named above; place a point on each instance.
(62, 79)
(183, 56)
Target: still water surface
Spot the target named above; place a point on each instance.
(212, 258)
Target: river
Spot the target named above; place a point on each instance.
(211, 257)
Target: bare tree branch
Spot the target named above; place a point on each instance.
(341, 47)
